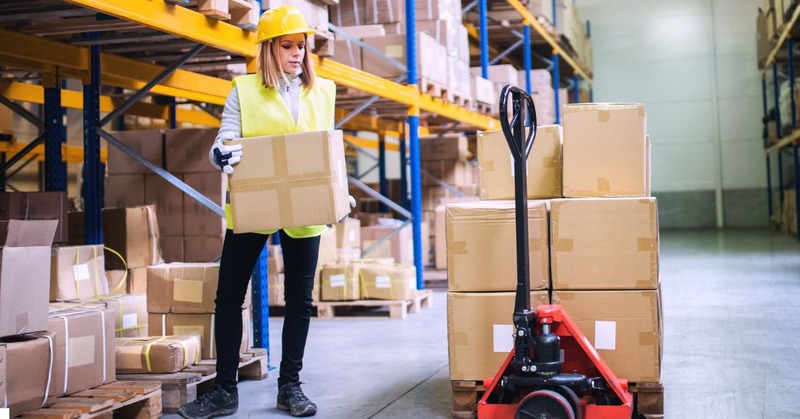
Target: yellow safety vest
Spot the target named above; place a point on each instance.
(265, 113)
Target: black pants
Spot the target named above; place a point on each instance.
(239, 255)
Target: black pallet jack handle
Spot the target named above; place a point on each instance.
(520, 133)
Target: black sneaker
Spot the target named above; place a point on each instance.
(292, 399)
(216, 402)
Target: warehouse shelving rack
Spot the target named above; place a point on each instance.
(783, 143)
(160, 25)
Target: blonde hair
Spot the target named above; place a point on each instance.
(269, 65)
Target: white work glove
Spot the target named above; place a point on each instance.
(352, 201)
(224, 156)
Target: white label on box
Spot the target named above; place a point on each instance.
(383, 281)
(503, 337)
(351, 236)
(81, 272)
(5, 413)
(605, 335)
(81, 351)
(187, 290)
(130, 320)
(395, 51)
(337, 281)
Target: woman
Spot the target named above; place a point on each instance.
(284, 96)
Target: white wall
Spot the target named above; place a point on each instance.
(693, 63)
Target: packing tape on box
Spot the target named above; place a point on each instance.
(648, 339)
(49, 338)
(562, 245)
(83, 310)
(603, 184)
(457, 248)
(98, 288)
(124, 280)
(646, 244)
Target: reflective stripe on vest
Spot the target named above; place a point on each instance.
(265, 113)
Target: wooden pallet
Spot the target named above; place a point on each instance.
(481, 107)
(648, 399)
(398, 309)
(460, 99)
(183, 387)
(241, 13)
(127, 399)
(432, 88)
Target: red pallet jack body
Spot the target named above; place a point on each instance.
(553, 371)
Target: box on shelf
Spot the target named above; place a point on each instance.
(604, 150)
(604, 243)
(480, 332)
(340, 282)
(482, 90)
(48, 205)
(186, 149)
(201, 249)
(443, 147)
(499, 73)
(77, 272)
(124, 190)
(27, 363)
(431, 66)
(133, 233)
(348, 233)
(451, 172)
(496, 165)
(168, 201)
(624, 326)
(348, 13)
(157, 354)
(25, 276)
(300, 181)
(481, 236)
(147, 143)
(387, 282)
(84, 341)
(182, 287)
(347, 53)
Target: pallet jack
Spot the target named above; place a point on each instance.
(553, 371)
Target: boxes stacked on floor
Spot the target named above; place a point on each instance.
(337, 276)
(600, 241)
(189, 231)
(180, 301)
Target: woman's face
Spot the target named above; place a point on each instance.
(292, 49)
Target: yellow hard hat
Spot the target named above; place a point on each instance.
(282, 20)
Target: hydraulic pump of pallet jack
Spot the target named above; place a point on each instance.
(546, 373)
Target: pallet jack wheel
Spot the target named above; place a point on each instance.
(545, 404)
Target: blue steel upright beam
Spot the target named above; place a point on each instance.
(173, 113)
(260, 291)
(778, 129)
(413, 131)
(92, 168)
(781, 197)
(383, 185)
(576, 94)
(483, 33)
(796, 187)
(526, 56)
(404, 201)
(556, 86)
(55, 170)
(769, 189)
(790, 63)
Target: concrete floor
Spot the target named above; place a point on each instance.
(731, 346)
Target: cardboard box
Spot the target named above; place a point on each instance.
(604, 150)
(130, 313)
(274, 259)
(182, 288)
(187, 150)
(400, 246)
(482, 90)
(84, 341)
(199, 220)
(430, 64)
(348, 233)
(385, 11)
(604, 243)
(480, 331)
(500, 73)
(382, 282)
(77, 272)
(117, 281)
(137, 281)
(35, 206)
(348, 254)
(124, 190)
(496, 165)
(481, 239)
(159, 354)
(348, 13)
(362, 31)
(451, 172)
(443, 147)
(624, 326)
(340, 282)
(200, 325)
(172, 248)
(275, 283)
(347, 52)
(327, 247)
(301, 180)
(201, 249)
(25, 372)
(25, 276)
(133, 233)
(147, 143)
(168, 200)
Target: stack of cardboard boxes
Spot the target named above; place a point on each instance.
(593, 246)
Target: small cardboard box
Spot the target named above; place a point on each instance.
(147, 143)
(340, 282)
(348, 233)
(382, 282)
(182, 287)
(77, 272)
(25, 276)
(157, 355)
(130, 313)
(480, 331)
(298, 180)
(624, 326)
(605, 150)
(124, 190)
(26, 363)
(400, 246)
(84, 340)
(496, 165)
(604, 243)
(200, 325)
(443, 147)
(48, 205)
(481, 236)
(171, 248)
(117, 280)
(133, 233)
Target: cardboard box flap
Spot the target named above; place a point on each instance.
(31, 233)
